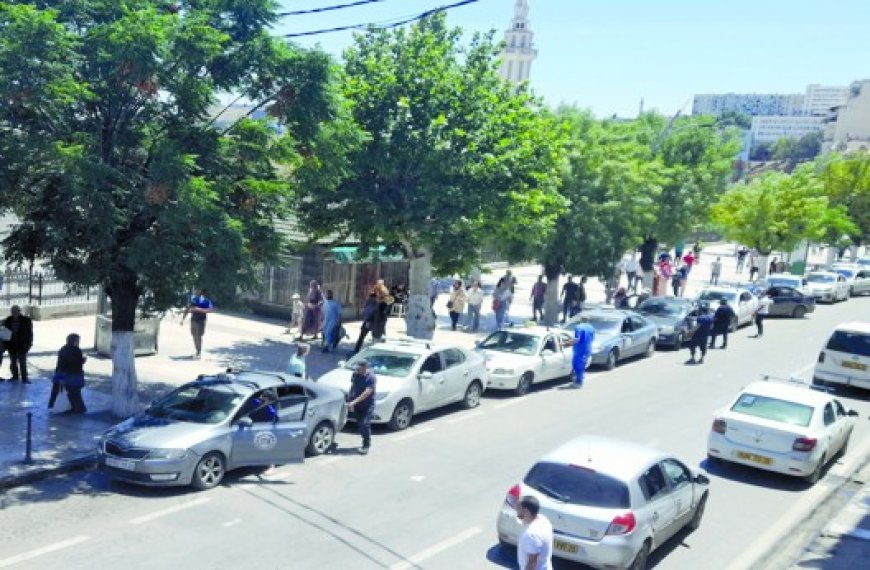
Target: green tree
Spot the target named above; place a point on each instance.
(110, 159)
(453, 156)
(734, 119)
(846, 182)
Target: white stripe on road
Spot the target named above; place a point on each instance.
(233, 522)
(506, 403)
(169, 511)
(23, 557)
(463, 417)
(413, 433)
(436, 549)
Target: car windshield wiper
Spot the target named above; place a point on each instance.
(551, 493)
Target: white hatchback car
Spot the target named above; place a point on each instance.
(610, 502)
(845, 359)
(827, 286)
(857, 277)
(518, 357)
(781, 427)
(741, 300)
(415, 376)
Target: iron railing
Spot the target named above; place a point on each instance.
(41, 288)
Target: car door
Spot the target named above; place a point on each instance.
(641, 333)
(785, 299)
(659, 508)
(746, 306)
(552, 359)
(456, 370)
(862, 282)
(263, 435)
(833, 429)
(627, 339)
(679, 479)
(844, 422)
(432, 381)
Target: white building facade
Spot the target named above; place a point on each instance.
(848, 127)
(519, 51)
(770, 129)
(820, 99)
(752, 104)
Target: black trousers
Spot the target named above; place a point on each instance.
(363, 417)
(56, 389)
(699, 343)
(76, 404)
(717, 330)
(17, 362)
(759, 324)
(363, 333)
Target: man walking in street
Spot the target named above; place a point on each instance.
(70, 374)
(584, 335)
(715, 271)
(701, 336)
(764, 303)
(19, 343)
(569, 290)
(539, 293)
(361, 401)
(632, 267)
(722, 319)
(199, 307)
(475, 302)
(535, 546)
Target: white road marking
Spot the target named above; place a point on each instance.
(417, 478)
(436, 549)
(233, 522)
(507, 403)
(169, 511)
(463, 417)
(328, 460)
(652, 443)
(278, 476)
(413, 433)
(25, 556)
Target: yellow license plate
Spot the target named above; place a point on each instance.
(567, 547)
(853, 365)
(754, 458)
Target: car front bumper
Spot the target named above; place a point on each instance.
(794, 463)
(502, 381)
(150, 472)
(824, 296)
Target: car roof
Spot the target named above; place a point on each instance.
(787, 391)
(824, 272)
(412, 346)
(724, 289)
(670, 300)
(615, 457)
(854, 326)
(530, 330)
(250, 381)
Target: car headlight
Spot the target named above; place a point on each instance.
(666, 329)
(381, 395)
(167, 453)
(504, 371)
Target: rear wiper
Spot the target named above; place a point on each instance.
(551, 493)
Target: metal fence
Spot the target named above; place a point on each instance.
(279, 283)
(41, 288)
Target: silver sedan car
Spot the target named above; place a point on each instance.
(619, 334)
(198, 432)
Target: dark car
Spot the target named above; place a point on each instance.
(789, 302)
(676, 318)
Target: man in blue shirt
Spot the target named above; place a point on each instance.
(199, 307)
(584, 334)
(361, 401)
(702, 335)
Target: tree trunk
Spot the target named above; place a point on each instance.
(420, 319)
(832, 255)
(853, 253)
(552, 309)
(125, 397)
(763, 263)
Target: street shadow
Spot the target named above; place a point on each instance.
(758, 477)
(271, 354)
(506, 557)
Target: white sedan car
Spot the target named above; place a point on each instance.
(741, 300)
(827, 286)
(517, 358)
(415, 376)
(857, 277)
(781, 427)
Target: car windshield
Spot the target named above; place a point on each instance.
(774, 409)
(850, 342)
(198, 403)
(661, 308)
(820, 278)
(508, 341)
(717, 296)
(847, 273)
(578, 486)
(386, 362)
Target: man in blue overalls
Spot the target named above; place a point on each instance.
(584, 334)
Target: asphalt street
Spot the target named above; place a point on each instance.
(428, 497)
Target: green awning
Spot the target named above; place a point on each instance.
(375, 255)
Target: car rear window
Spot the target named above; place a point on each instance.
(774, 409)
(578, 486)
(850, 342)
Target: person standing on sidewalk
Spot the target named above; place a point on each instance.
(539, 294)
(361, 401)
(70, 373)
(569, 290)
(722, 319)
(331, 322)
(632, 267)
(19, 343)
(741, 258)
(764, 303)
(535, 546)
(199, 306)
(369, 312)
(716, 271)
(456, 303)
(475, 302)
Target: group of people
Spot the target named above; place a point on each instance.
(320, 314)
(712, 324)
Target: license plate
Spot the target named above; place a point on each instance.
(120, 464)
(754, 458)
(566, 547)
(853, 365)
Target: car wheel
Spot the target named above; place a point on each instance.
(472, 395)
(639, 562)
(735, 324)
(209, 471)
(524, 384)
(651, 349)
(678, 342)
(814, 477)
(612, 358)
(321, 440)
(851, 292)
(402, 415)
(799, 312)
(695, 523)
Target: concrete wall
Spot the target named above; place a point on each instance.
(48, 312)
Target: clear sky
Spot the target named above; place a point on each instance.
(609, 54)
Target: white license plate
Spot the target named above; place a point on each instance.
(120, 464)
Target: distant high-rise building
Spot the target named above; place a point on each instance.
(752, 104)
(519, 50)
(820, 99)
(848, 126)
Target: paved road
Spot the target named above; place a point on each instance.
(427, 497)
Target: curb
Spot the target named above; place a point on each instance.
(36, 475)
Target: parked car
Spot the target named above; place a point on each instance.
(676, 317)
(414, 377)
(741, 300)
(827, 286)
(787, 301)
(781, 427)
(782, 280)
(864, 261)
(198, 432)
(518, 357)
(845, 358)
(610, 502)
(619, 334)
(857, 277)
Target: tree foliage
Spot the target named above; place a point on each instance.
(846, 181)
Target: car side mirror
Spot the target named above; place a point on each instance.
(548, 352)
(426, 375)
(852, 413)
(701, 479)
(245, 422)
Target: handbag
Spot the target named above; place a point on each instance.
(449, 304)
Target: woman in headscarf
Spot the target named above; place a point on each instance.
(385, 302)
(313, 316)
(331, 322)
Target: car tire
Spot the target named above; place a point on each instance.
(851, 292)
(639, 562)
(678, 341)
(321, 440)
(735, 324)
(525, 384)
(612, 359)
(209, 471)
(695, 522)
(651, 349)
(814, 477)
(799, 312)
(402, 415)
(472, 395)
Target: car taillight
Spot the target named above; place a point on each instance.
(821, 357)
(804, 444)
(513, 496)
(719, 426)
(622, 524)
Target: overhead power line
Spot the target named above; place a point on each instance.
(395, 24)
(328, 8)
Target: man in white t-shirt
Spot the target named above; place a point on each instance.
(632, 268)
(764, 303)
(535, 547)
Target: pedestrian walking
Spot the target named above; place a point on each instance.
(702, 335)
(716, 271)
(722, 319)
(538, 296)
(761, 312)
(475, 302)
(434, 287)
(772, 268)
(69, 375)
(312, 315)
(535, 545)
(579, 298)
(753, 264)
(689, 262)
(297, 366)
(198, 306)
(584, 336)
(678, 280)
(569, 291)
(678, 252)
(370, 310)
(456, 303)
(696, 251)
(500, 298)
(632, 269)
(19, 343)
(296, 311)
(741, 258)
(385, 304)
(620, 298)
(331, 322)
(361, 401)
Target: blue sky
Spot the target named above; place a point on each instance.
(606, 55)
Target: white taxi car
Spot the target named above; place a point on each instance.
(781, 427)
(741, 300)
(827, 286)
(415, 376)
(857, 277)
(518, 357)
(845, 359)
